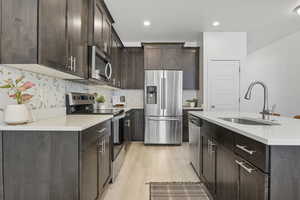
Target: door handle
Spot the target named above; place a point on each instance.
(165, 89)
(162, 94)
(70, 67)
(102, 130)
(244, 148)
(242, 164)
(108, 76)
(110, 71)
(170, 119)
(101, 148)
(74, 63)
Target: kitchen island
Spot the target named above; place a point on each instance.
(248, 162)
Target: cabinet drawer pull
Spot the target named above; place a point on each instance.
(244, 148)
(101, 147)
(242, 164)
(102, 130)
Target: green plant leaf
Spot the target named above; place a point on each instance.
(18, 80)
(5, 86)
(100, 99)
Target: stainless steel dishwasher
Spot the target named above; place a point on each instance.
(195, 143)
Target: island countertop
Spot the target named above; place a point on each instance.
(62, 123)
(287, 133)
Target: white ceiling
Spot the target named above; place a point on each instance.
(182, 20)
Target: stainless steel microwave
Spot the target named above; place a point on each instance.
(99, 67)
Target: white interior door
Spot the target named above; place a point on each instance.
(223, 85)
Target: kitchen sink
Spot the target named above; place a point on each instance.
(247, 121)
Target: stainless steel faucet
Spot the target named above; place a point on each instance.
(265, 111)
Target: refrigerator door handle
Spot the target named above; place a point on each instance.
(162, 93)
(165, 89)
(165, 119)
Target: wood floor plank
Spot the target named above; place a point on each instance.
(144, 164)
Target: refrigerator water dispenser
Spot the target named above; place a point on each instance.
(151, 95)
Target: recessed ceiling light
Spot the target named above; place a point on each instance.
(216, 23)
(297, 10)
(147, 23)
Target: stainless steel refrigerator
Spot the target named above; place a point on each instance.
(163, 107)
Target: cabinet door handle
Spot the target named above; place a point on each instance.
(100, 146)
(209, 147)
(102, 130)
(74, 64)
(127, 123)
(71, 66)
(242, 164)
(69, 63)
(212, 145)
(244, 148)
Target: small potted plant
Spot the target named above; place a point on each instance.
(100, 99)
(18, 113)
(192, 102)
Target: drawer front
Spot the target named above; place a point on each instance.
(100, 129)
(254, 152)
(225, 137)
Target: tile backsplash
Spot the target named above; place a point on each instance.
(49, 93)
(135, 98)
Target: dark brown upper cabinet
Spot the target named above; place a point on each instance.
(49, 33)
(132, 70)
(153, 57)
(100, 26)
(116, 56)
(173, 56)
(163, 56)
(191, 68)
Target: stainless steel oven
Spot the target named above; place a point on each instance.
(99, 66)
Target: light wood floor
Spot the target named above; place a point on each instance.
(144, 164)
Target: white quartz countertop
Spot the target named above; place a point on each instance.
(62, 123)
(286, 133)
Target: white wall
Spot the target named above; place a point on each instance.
(278, 65)
(221, 46)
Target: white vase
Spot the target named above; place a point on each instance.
(100, 106)
(16, 114)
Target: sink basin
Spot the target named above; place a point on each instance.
(246, 121)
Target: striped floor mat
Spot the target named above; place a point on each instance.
(177, 191)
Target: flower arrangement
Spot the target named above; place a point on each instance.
(17, 89)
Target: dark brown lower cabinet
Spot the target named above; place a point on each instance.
(45, 165)
(209, 163)
(138, 125)
(1, 168)
(254, 171)
(227, 175)
(40, 165)
(134, 125)
(104, 161)
(89, 157)
(252, 183)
